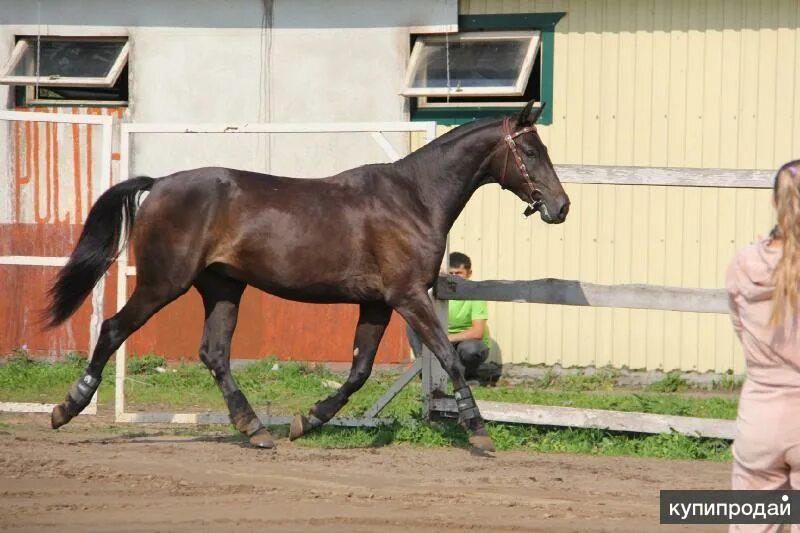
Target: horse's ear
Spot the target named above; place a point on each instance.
(529, 115)
(522, 119)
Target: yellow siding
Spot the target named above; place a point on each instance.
(681, 83)
(607, 240)
(701, 83)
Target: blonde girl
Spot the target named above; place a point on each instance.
(762, 284)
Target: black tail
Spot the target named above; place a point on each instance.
(110, 219)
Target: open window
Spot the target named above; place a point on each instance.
(472, 64)
(497, 63)
(69, 69)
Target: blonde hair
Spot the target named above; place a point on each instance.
(787, 272)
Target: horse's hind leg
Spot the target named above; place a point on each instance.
(372, 321)
(221, 297)
(418, 311)
(145, 301)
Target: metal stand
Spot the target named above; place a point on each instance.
(395, 389)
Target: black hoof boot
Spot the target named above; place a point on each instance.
(79, 396)
(470, 418)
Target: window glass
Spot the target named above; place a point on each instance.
(68, 59)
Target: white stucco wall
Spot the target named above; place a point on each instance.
(214, 61)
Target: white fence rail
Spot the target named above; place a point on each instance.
(681, 177)
(564, 292)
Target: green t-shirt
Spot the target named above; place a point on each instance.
(461, 313)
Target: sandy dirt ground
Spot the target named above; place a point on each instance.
(86, 478)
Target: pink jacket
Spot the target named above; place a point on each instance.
(772, 354)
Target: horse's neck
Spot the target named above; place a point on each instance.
(449, 170)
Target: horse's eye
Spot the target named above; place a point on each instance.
(530, 153)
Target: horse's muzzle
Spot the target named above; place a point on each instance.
(550, 217)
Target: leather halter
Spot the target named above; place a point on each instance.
(511, 149)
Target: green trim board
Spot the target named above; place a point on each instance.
(544, 22)
(510, 21)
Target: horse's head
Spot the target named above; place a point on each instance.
(522, 165)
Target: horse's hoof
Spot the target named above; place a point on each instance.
(298, 427)
(481, 443)
(59, 416)
(262, 439)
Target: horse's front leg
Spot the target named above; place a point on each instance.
(221, 297)
(418, 311)
(372, 321)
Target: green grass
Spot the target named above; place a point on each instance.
(288, 388)
(532, 438)
(23, 380)
(146, 364)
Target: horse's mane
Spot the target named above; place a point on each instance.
(466, 129)
(454, 135)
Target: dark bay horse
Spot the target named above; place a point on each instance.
(374, 235)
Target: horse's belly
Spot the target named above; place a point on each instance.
(310, 288)
(322, 292)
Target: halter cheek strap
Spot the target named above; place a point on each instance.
(511, 149)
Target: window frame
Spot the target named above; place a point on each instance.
(518, 89)
(461, 113)
(25, 96)
(107, 81)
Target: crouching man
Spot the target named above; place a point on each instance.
(467, 329)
